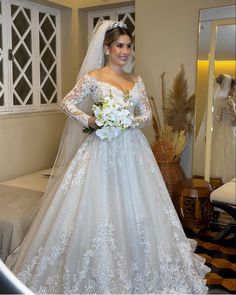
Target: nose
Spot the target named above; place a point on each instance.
(126, 50)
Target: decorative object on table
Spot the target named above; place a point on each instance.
(192, 202)
(173, 130)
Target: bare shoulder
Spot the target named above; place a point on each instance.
(93, 73)
(96, 73)
(133, 76)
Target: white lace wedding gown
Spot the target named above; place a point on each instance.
(111, 226)
(223, 157)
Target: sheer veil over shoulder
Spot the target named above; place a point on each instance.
(106, 224)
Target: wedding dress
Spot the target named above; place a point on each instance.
(223, 143)
(223, 158)
(111, 226)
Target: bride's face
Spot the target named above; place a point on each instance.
(119, 51)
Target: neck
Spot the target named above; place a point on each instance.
(115, 69)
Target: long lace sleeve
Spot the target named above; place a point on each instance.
(231, 111)
(143, 108)
(71, 101)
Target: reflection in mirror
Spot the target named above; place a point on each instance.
(224, 116)
(223, 63)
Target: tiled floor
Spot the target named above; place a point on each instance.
(220, 257)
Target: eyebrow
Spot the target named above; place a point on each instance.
(122, 43)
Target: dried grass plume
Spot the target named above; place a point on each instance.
(178, 110)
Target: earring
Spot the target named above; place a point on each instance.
(107, 53)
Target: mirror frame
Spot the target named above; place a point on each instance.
(211, 77)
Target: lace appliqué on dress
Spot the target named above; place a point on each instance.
(77, 170)
(143, 108)
(88, 85)
(94, 274)
(231, 111)
(82, 89)
(41, 262)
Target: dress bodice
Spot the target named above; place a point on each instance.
(89, 87)
(228, 113)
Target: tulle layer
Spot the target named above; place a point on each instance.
(223, 156)
(111, 228)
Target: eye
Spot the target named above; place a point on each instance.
(119, 45)
(129, 46)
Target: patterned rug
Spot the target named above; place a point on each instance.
(220, 257)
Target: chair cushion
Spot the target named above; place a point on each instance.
(225, 193)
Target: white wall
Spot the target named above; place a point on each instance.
(28, 143)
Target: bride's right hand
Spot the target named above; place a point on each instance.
(92, 123)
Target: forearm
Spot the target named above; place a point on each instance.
(69, 108)
(70, 103)
(143, 110)
(142, 120)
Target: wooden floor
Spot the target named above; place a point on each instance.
(220, 257)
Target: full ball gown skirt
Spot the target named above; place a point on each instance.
(111, 227)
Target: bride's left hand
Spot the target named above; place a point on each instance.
(92, 123)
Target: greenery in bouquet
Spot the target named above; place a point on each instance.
(174, 126)
(112, 116)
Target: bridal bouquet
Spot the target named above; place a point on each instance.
(112, 116)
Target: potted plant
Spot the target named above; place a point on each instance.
(173, 129)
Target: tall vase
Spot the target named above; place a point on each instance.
(170, 169)
(172, 173)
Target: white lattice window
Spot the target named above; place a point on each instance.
(29, 57)
(2, 63)
(125, 14)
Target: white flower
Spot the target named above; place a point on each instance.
(112, 116)
(108, 132)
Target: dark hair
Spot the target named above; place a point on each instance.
(113, 34)
(233, 82)
(221, 77)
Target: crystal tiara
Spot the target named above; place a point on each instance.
(117, 24)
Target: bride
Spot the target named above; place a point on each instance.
(223, 160)
(107, 223)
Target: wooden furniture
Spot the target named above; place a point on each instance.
(215, 182)
(191, 199)
(224, 198)
(172, 173)
(170, 169)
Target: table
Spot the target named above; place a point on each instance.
(191, 199)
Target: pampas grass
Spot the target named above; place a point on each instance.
(178, 110)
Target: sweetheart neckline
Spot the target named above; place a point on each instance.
(115, 87)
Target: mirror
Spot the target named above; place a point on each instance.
(216, 55)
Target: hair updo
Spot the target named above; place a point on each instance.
(221, 77)
(233, 83)
(113, 34)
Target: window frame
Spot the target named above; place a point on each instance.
(36, 106)
(112, 12)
